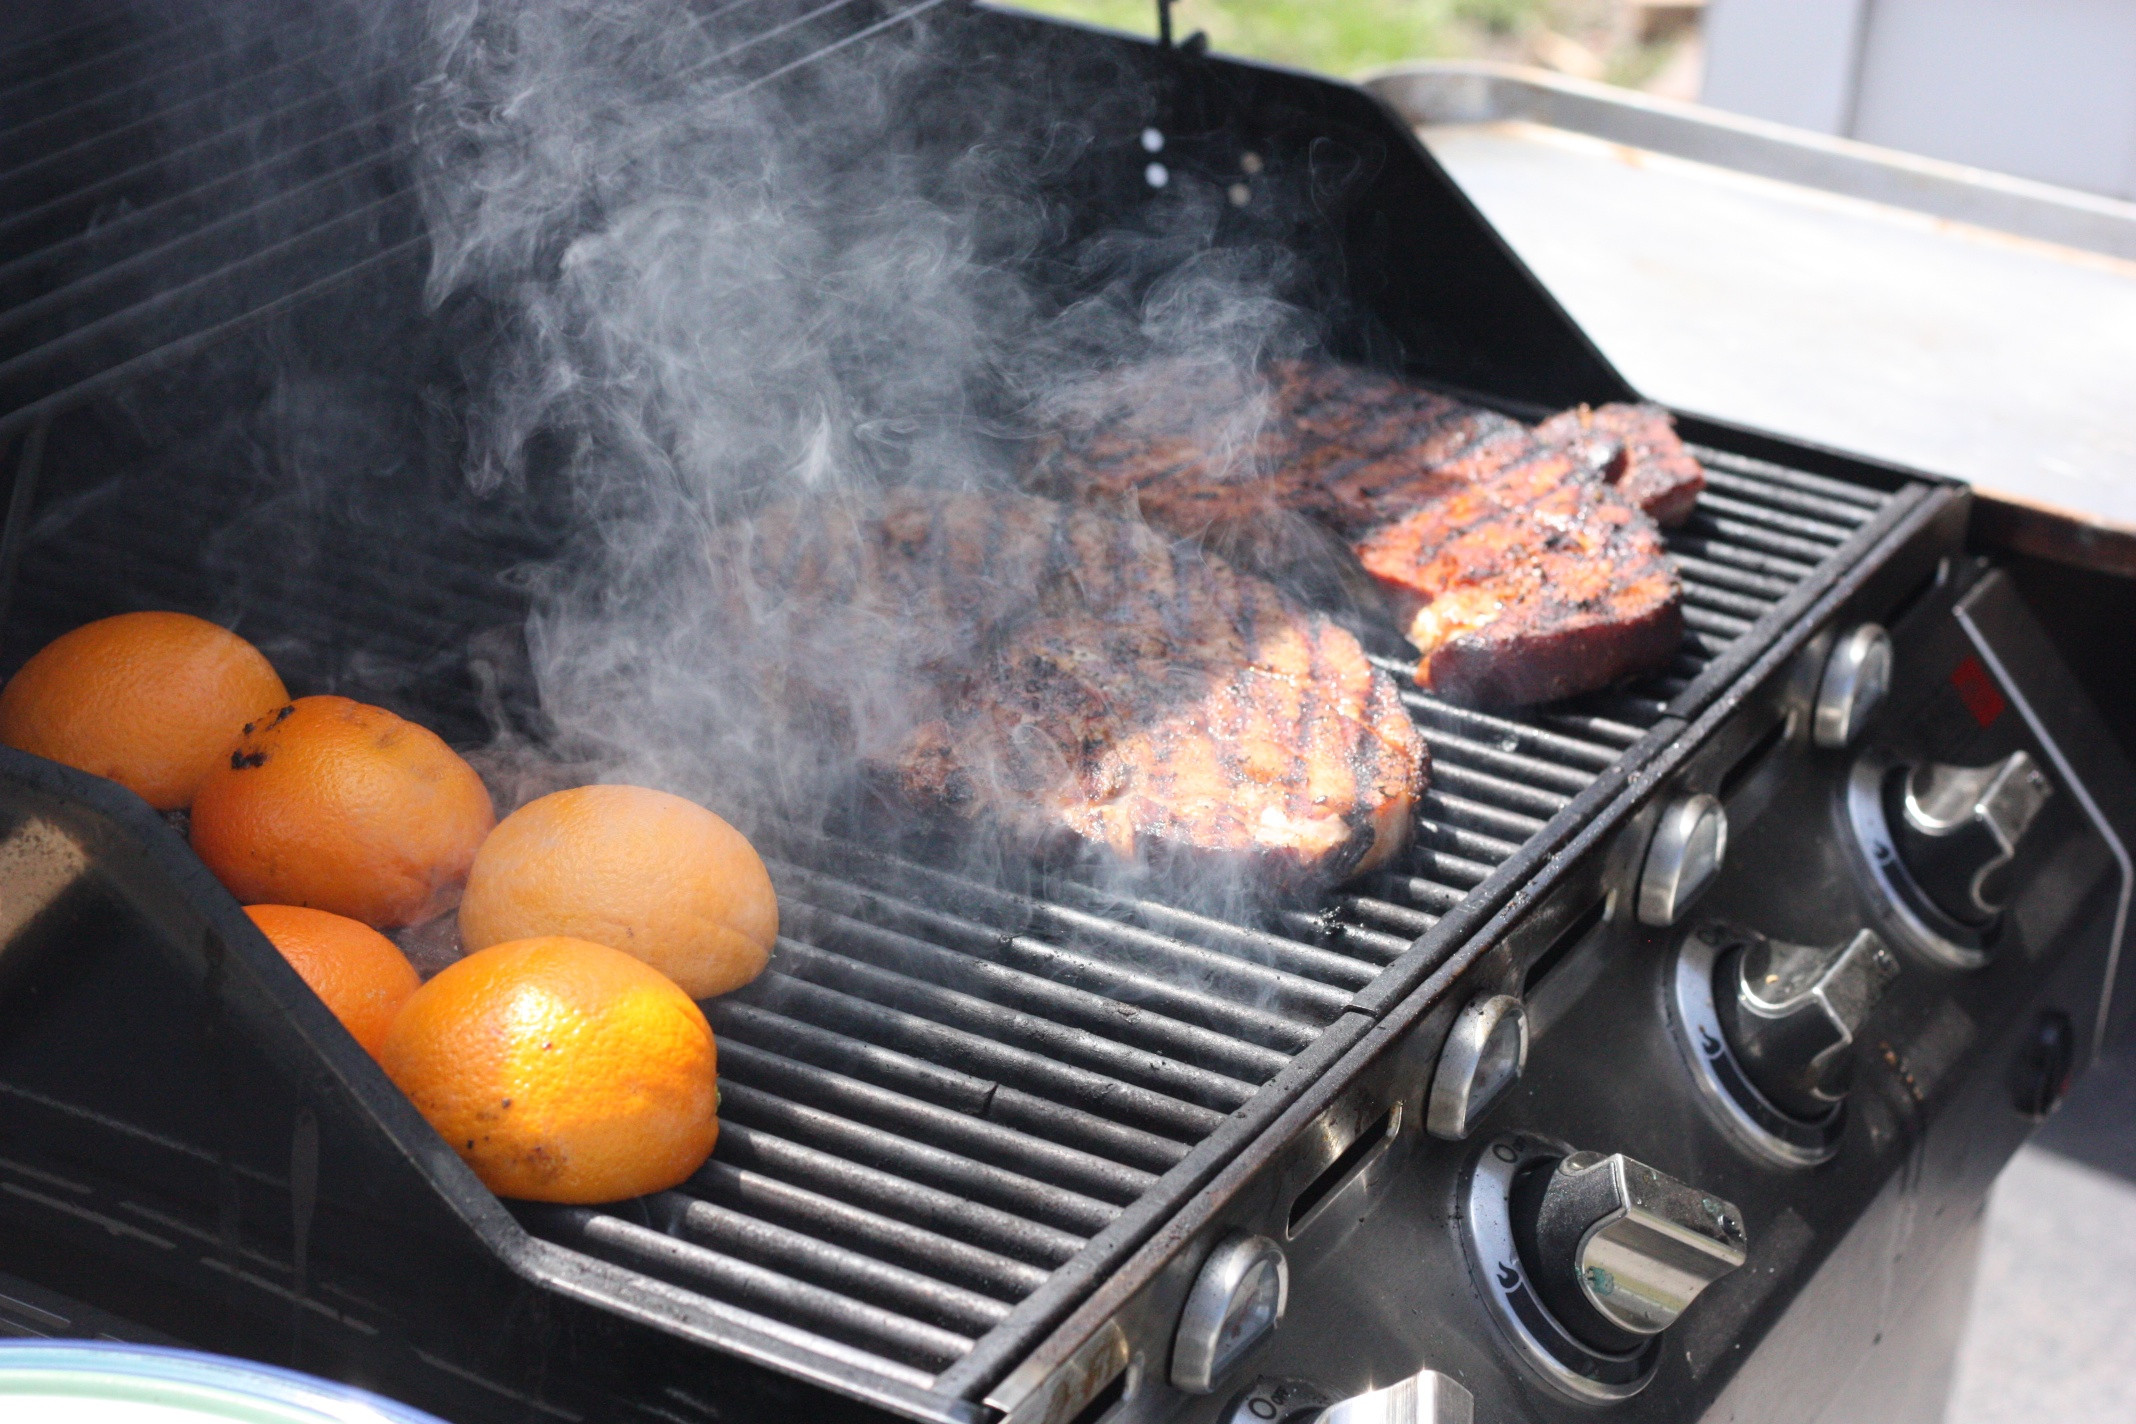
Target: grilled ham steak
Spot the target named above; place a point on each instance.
(1530, 585)
(1637, 450)
(1078, 678)
(1520, 571)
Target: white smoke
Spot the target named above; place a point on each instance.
(709, 301)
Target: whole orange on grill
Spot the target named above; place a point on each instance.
(342, 806)
(359, 973)
(561, 1070)
(152, 700)
(651, 874)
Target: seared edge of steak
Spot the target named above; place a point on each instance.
(1079, 678)
(1640, 453)
(1564, 587)
(1433, 495)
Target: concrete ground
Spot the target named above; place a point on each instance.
(2053, 1331)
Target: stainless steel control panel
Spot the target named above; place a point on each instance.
(1759, 1105)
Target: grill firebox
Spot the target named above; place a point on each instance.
(950, 1108)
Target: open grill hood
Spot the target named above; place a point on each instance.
(953, 1112)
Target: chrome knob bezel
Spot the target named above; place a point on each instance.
(1684, 857)
(1201, 1356)
(1855, 681)
(1552, 1353)
(1485, 1053)
(1749, 1119)
(1940, 940)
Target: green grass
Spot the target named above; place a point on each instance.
(1333, 36)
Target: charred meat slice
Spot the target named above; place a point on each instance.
(1523, 567)
(1637, 449)
(1535, 600)
(1080, 679)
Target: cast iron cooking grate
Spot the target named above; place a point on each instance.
(947, 1102)
(943, 1092)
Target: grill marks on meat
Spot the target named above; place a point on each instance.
(1516, 604)
(1520, 562)
(1088, 681)
(1637, 449)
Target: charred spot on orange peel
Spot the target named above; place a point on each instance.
(240, 760)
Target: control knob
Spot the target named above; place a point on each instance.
(1851, 686)
(1956, 826)
(1790, 1013)
(1618, 1250)
(1426, 1397)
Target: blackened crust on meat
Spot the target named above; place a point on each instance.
(1084, 683)
(1645, 458)
(1535, 584)
(1524, 568)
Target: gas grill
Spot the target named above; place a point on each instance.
(1028, 1148)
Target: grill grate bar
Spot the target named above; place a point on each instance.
(37, 57)
(1467, 844)
(1141, 1027)
(1276, 1037)
(1465, 814)
(1750, 608)
(820, 1263)
(243, 101)
(1603, 729)
(1326, 926)
(1752, 512)
(952, 1214)
(237, 161)
(200, 253)
(226, 294)
(1764, 471)
(1755, 537)
(1400, 919)
(333, 156)
(909, 1341)
(943, 1257)
(1449, 869)
(1700, 647)
(48, 89)
(1041, 1038)
(1630, 707)
(1378, 946)
(1451, 750)
(1759, 561)
(1280, 975)
(850, 999)
(1469, 782)
(930, 1082)
(1044, 1202)
(973, 1137)
(1762, 588)
(1706, 620)
(96, 115)
(1822, 508)
(1531, 740)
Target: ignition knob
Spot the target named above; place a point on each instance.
(1853, 683)
(1790, 1013)
(1618, 1250)
(1957, 826)
(1684, 857)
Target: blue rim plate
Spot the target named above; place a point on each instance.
(83, 1380)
